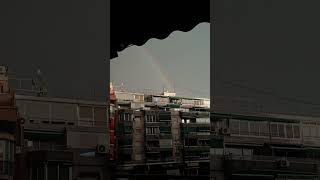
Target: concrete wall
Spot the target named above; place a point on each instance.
(86, 139)
(176, 136)
(138, 144)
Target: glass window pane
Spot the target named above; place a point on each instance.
(254, 128)
(264, 129)
(1, 150)
(306, 131)
(289, 131)
(313, 131)
(247, 152)
(7, 151)
(244, 129)
(274, 130)
(85, 112)
(296, 131)
(234, 126)
(281, 130)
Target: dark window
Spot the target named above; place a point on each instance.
(64, 173)
(274, 130)
(244, 129)
(234, 126)
(289, 131)
(52, 172)
(254, 128)
(313, 131)
(281, 130)
(296, 131)
(85, 112)
(264, 128)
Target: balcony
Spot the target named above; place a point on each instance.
(152, 136)
(235, 164)
(50, 155)
(197, 148)
(6, 169)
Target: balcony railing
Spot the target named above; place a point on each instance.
(270, 158)
(65, 121)
(6, 168)
(46, 147)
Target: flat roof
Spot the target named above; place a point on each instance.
(269, 115)
(60, 100)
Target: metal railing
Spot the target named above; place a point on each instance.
(6, 168)
(46, 147)
(64, 121)
(270, 158)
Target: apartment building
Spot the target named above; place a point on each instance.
(10, 131)
(264, 146)
(161, 137)
(64, 138)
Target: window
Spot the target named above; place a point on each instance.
(126, 117)
(264, 129)
(306, 131)
(313, 131)
(151, 118)
(289, 131)
(281, 130)
(6, 157)
(274, 130)
(152, 130)
(2, 150)
(234, 126)
(254, 128)
(296, 131)
(85, 112)
(244, 129)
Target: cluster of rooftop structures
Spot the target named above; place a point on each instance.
(160, 133)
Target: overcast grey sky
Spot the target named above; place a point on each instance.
(67, 40)
(180, 62)
(269, 50)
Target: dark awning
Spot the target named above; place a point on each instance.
(135, 22)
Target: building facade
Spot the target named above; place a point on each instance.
(165, 135)
(264, 146)
(64, 138)
(10, 131)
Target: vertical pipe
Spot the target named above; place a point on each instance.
(45, 171)
(30, 173)
(58, 172)
(70, 173)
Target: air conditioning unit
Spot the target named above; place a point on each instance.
(101, 148)
(28, 143)
(283, 163)
(224, 131)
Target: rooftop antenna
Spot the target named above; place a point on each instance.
(40, 84)
(122, 87)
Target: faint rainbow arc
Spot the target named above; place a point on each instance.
(156, 65)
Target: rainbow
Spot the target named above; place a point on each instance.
(157, 66)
